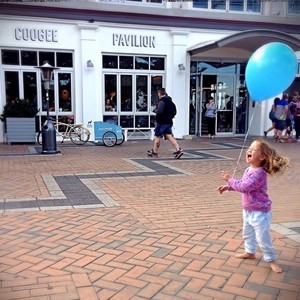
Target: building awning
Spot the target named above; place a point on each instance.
(239, 47)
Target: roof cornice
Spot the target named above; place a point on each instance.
(174, 18)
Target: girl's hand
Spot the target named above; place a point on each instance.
(225, 176)
(222, 189)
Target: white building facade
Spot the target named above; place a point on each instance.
(112, 58)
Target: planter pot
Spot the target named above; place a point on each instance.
(20, 130)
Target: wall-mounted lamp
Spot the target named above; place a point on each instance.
(181, 67)
(89, 64)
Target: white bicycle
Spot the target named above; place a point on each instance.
(77, 133)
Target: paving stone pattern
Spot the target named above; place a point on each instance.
(109, 223)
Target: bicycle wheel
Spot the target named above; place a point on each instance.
(121, 141)
(109, 139)
(39, 138)
(79, 135)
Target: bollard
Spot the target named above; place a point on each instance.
(49, 138)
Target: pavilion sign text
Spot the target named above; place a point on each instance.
(134, 40)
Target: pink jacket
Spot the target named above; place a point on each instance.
(253, 187)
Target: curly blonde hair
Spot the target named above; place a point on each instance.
(273, 163)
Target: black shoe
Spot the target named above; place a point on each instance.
(178, 154)
(151, 153)
(265, 133)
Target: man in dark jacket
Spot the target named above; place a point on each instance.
(165, 112)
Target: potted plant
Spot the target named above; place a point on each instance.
(19, 117)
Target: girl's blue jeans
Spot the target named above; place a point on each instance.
(256, 230)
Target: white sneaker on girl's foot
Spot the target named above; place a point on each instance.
(209, 136)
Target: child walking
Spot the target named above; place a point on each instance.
(262, 160)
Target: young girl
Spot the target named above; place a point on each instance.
(262, 160)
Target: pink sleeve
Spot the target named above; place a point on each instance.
(250, 181)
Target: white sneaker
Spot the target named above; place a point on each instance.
(209, 136)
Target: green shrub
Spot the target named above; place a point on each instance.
(19, 108)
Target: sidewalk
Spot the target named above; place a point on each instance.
(109, 223)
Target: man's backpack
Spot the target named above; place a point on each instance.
(174, 109)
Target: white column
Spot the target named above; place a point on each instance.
(88, 91)
(178, 87)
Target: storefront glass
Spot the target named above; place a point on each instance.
(23, 80)
(131, 97)
(249, 6)
(10, 57)
(12, 90)
(29, 58)
(64, 88)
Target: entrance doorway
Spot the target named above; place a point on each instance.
(227, 88)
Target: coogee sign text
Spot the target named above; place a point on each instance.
(33, 34)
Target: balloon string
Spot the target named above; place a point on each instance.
(245, 140)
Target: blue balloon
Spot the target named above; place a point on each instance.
(270, 71)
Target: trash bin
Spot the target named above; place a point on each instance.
(49, 138)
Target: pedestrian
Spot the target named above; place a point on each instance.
(297, 118)
(108, 105)
(281, 113)
(272, 116)
(165, 112)
(294, 107)
(210, 115)
(262, 160)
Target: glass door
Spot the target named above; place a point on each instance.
(207, 89)
(224, 97)
(242, 109)
(193, 107)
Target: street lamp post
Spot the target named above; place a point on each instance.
(48, 130)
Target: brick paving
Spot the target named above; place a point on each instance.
(109, 223)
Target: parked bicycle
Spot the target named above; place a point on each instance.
(77, 133)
